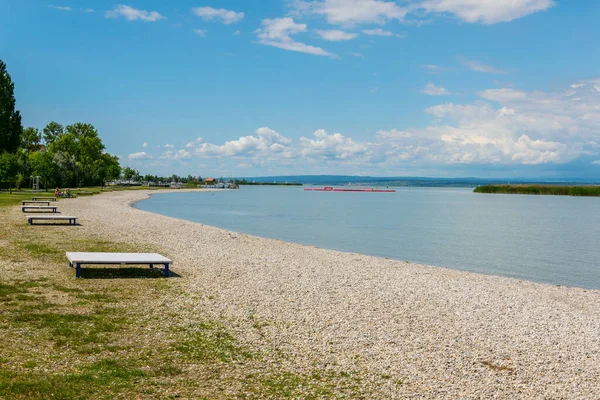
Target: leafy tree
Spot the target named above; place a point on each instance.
(9, 168)
(10, 119)
(43, 165)
(31, 139)
(109, 168)
(130, 174)
(53, 131)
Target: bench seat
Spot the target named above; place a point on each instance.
(39, 208)
(80, 258)
(71, 219)
(36, 202)
(44, 198)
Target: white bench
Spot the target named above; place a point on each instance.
(44, 198)
(78, 259)
(39, 208)
(71, 219)
(38, 202)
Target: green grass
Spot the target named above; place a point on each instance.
(101, 380)
(555, 190)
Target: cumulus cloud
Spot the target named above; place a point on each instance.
(277, 33)
(350, 12)
(142, 155)
(503, 126)
(335, 35)
(133, 14)
(355, 12)
(169, 146)
(485, 11)
(144, 145)
(200, 32)
(478, 66)
(211, 14)
(432, 90)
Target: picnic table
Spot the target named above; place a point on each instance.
(44, 198)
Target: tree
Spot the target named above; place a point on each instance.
(31, 139)
(129, 174)
(10, 119)
(42, 164)
(53, 131)
(9, 168)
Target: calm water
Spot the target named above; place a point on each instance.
(538, 238)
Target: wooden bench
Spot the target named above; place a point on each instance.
(38, 202)
(71, 219)
(79, 259)
(44, 198)
(40, 208)
(84, 193)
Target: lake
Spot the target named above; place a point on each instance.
(549, 239)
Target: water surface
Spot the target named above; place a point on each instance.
(549, 239)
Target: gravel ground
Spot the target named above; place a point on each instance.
(420, 331)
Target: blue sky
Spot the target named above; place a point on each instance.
(486, 88)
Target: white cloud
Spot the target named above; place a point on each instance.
(597, 162)
(237, 33)
(133, 14)
(200, 32)
(61, 8)
(485, 11)
(226, 16)
(350, 12)
(432, 90)
(169, 146)
(380, 32)
(597, 87)
(88, 10)
(504, 126)
(478, 66)
(142, 155)
(144, 145)
(276, 32)
(336, 35)
(356, 12)
(194, 143)
(434, 69)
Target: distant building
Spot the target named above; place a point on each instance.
(210, 181)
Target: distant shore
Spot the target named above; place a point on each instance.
(550, 190)
(421, 331)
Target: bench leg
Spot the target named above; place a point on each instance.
(77, 270)
(166, 270)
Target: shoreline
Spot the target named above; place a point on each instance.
(445, 333)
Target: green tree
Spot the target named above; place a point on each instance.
(31, 139)
(10, 119)
(9, 168)
(109, 168)
(53, 131)
(43, 165)
(130, 174)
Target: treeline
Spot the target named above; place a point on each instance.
(65, 156)
(554, 190)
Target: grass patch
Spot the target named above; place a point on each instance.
(103, 379)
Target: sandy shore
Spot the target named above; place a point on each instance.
(419, 331)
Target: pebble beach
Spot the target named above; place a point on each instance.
(418, 331)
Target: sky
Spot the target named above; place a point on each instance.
(439, 88)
